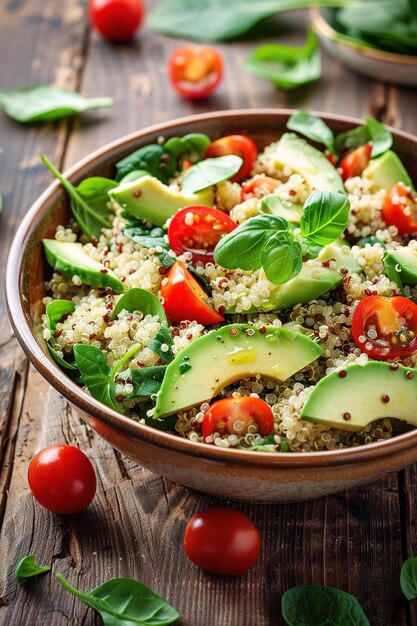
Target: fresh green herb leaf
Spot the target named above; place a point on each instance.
(325, 217)
(312, 127)
(152, 158)
(393, 271)
(88, 201)
(285, 66)
(124, 602)
(408, 578)
(166, 259)
(54, 311)
(316, 605)
(148, 238)
(281, 257)
(351, 139)
(161, 344)
(137, 299)
(210, 172)
(134, 175)
(380, 135)
(191, 147)
(146, 381)
(39, 103)
(27, 568)
(97, 375)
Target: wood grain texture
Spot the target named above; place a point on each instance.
(355, 540)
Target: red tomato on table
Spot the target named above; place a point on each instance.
(235, 144)
(117, 20)
(233, 416)
(385, 328)
(355, 162)
(195, 71)
(399, 209)
(222, 541)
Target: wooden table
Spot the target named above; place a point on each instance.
(355, 540)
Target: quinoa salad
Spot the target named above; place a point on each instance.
(260, 298)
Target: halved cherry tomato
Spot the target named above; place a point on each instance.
(235, 144)
(233, 416)
(259, 186)
(385, 328)
(195, 71)
(198, 229)
(117, 20)
(222, 541)
(184, 299)
(400, 209)
(355, 162)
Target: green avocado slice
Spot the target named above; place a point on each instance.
(69, 258)
(405, 261)
(223, 356)
(386, 171)
(362, 394)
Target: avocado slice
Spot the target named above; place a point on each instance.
(147, 198)
(273, 204)
(307, 161)
(386, 171)
(362, 394)
(70, 259)
(405, 261)
(223, 356)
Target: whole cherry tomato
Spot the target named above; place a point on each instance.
(222, 541)
(259, 186)
(195, 71)
(233, 416)
(385, 328)
(235, 144)
(62, 479)
(184, 299)
(117, 20)
(198, 229)
(355, 162)
(400, 210)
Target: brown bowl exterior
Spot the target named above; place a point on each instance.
(238, 474)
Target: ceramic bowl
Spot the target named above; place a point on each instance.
(399, 69)
(238, 474)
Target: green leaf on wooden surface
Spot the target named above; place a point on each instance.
(324, 218)
(137, 299)
(39, 103)
(408, 578)
(27, 568)
(312, 127)
(210, 172)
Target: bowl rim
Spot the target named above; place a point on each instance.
(81, 399)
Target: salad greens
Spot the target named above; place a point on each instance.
(27, 568)
(210, 172)
(146, 381)
(162, 343)
(39, 103)
(324, 218)
(316, 605)
(97, 375)
(54, 312)
(153, 159)
(408, 578)
(137, 299)
(191, 147)
(148, 237)
(312, 127)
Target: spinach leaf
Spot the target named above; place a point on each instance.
(146, 381)
(381, 137)
(88, 201)
(39, 103)
(54, 311)
(325, 217)
(286, 66)
(137, 299)
(191, 147)
(96, 374)
(152, 158)
(27, 568)
(312, 127)
(351, 139)
(161, 344)
(281, 257)
(408, 578)
(124, 602)
(316, 605)
(148, 238)
(166, 259)
(210, 172)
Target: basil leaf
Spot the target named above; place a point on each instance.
(137, 299)
(242, 248)
(124, 602)
(316, 605)
(96, 374)
(285, 66)
(281, 257)
(312, 127)
(148, 238)
(27, 568)
(210, 172)
(152, 158)
(54, 311)
(381, 137)
(325, 217)
(351, 139)
(88, 201)
(162, 338)
(146, 381)
(39, 103)
(191, 147)
(408, 578)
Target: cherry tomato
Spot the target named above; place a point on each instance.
(222, 541)
(355, 162)
(385, 328)
(235, 144)
(400, 210)
(195, 71)
(117, 20)
(233, 416)
(198, 229)
(331, 158)
(259, 186)
(62, 479)
(184, 299)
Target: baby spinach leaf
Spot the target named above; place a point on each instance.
(152, 158)
(210, 172)
(124, 602)
(408, 578)
(88, 201)
(148, 238)
(351, 139)
(39, 103)
(163, 339)
(146, 381)
(316, 605)
(137, 299)
(281, 257)
(166, 259)
(312, 127)
(27, 568)
(325, 217)
(54, 311)
(191, 147)
(380, 135)
(96, 374)
(286, 66)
